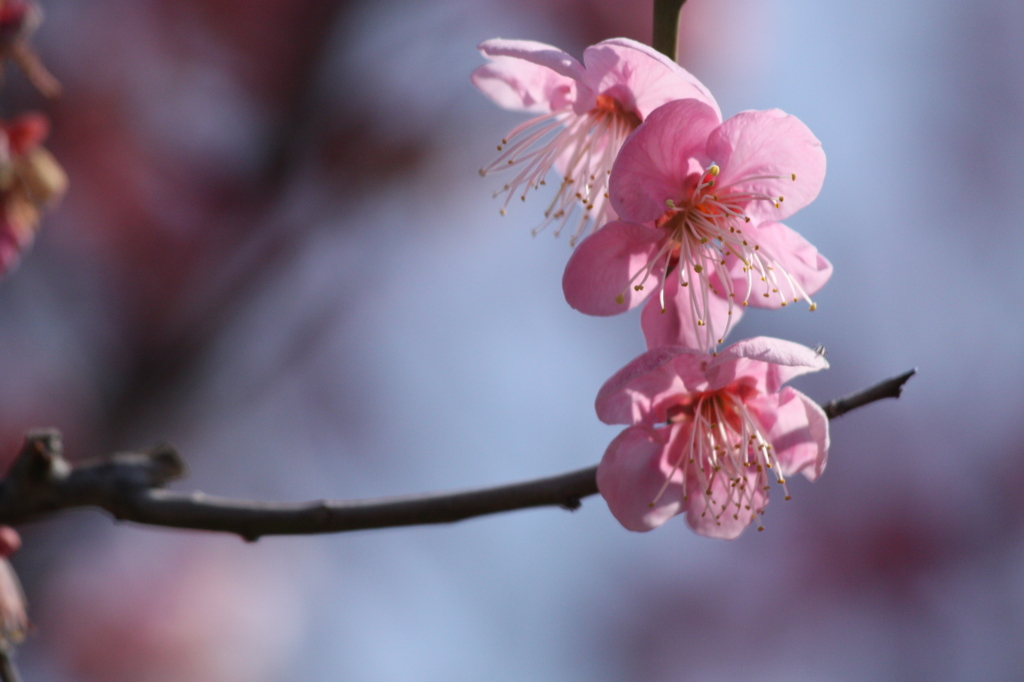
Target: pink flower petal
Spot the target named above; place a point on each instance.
(765, 363)
(796, 255)
(641, 78)
(633, 473)
(636, 393)
(523, 86)
(704, 512)
(797, 429)
(660, 160)
(675, 326)
(540, 54)
(603, 266)
(773, 147)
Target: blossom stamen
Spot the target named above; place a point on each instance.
(588, 145)
(725, 440)
(703, 231)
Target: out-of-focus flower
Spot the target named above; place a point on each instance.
(584, 113)
(13, 617)
(706, 433)
(702, 199)
(30, 180)
(19, 19)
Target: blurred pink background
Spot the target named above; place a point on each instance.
(276, 253)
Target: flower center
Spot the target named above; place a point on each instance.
(702, 232)
(581, 147)
(724, 444)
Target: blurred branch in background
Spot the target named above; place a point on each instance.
(130, 486)
(8, 673)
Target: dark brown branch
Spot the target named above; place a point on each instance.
(130, 487)
(890, 388)
(666, 27)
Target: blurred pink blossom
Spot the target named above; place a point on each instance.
(706, 432)
(702, 199)
(30, 180)
(13, 614)
(584, 112)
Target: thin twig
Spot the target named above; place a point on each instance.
(130, 487)
(666, 27)
(890, 388)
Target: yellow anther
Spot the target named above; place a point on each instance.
(782, 198)
(794, 176)
(698, 269)
(620, 299)
(713, 169)
(814, 306)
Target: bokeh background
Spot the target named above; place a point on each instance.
(276, 253)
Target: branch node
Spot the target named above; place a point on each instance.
(571, 504)
(41, 458)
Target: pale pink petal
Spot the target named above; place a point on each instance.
(771, 146)
(523, 86)
(763, 362)
(637, 393)
(794, 254)
(705, 513)
(797, 429)
(605, 265)
(633, 473)
(640, 78)
(674, 325)
(661, 160)
(541, 54)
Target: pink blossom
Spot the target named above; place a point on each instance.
(703, 199)
(30, 181)
(13, 614)
(583, 113)
(706, 433)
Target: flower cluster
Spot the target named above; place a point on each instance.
(674, 205)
